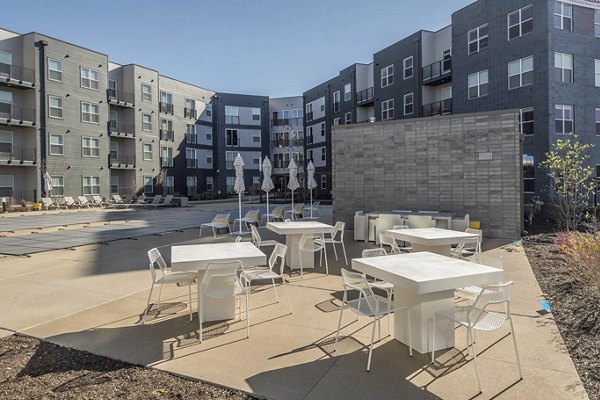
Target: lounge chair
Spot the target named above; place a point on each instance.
(167, 201)
(70, 203)
(115, 202)
(83, 201)
(220, 221)
(315, 209)
(296, 211)
(155, 201)
(276, 213)
(48, 203)
(97, 201)
(251, 217)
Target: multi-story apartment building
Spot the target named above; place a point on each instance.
(240, 125)
(287, 139)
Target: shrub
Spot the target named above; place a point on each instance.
(583, 251)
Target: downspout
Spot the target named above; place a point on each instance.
(41, 44)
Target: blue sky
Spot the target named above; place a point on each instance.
(263, 47)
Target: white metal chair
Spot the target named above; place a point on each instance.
(471, 292)
(376, 283)
(251, 217)
(314, 208)
(238, 239)
(260, 273)
(335, 237)
(406, 246)
(220, 221)
(368, 304)
(468, 247)
(48, 203)
(155, 201)
(307, 244)
(97, 201)
(257, 240)
(83, 201)
(388, 240)
(167, 277)
(478, 318)
(296, 211)
(222, 280)
(70, 202)
(276, 213)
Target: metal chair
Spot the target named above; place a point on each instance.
(307, 244)
(388, 240)
(257, 240)
(251, 217)
(220, 221)
(376, 283)
(336, 237)
(471, 292)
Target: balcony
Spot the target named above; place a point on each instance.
(437, 73)
(309, 116)
(166, 108)
(287, 143)
(120, 99)
(189, 113)
(442, 107)
(121, 161)
(365, 97)
(232, 120)
(191, 163)
(19, 116)
(167, 135)
(287, 122)
(191, 138)
(18, 77)
(166, 162)
(120, 129)
(18, 156)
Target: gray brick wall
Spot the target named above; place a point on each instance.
(432, 164)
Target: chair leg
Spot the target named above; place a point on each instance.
(371, 346)
(247, 314)
(200, 234)
(512, 332)
(159, 295)
(190, 299)
(148, 304)
(325, 252)
(201, 316)
(275, 288)
(470, 333)
(344, 250)
(433, 340)
(337, 335)
(214, 232)
(334, 251)
(286, 294)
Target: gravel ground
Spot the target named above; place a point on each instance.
(31, 369)
(575, 309)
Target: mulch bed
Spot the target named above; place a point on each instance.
(32, 369)
(575, 309)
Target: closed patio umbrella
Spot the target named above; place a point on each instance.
(48, 184)
(311, 183)
(267, 184)
(238, 185)
(293, 182)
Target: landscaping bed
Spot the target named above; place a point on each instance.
(32, 369)
(574, 306)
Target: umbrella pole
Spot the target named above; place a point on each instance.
(311, 204)
(240, 207)
(292, 205)
(267, 206)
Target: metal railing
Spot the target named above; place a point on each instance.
(287, 122)
(167, 135)
(166, 161)
(437, 69)
(191, 138)
(364, 96)
(309, 116)
(19, 155)
(442, 107)
(121, 159)
(122, 98)
(14, 113)
(288, 143)
(15, 73)
(166, 108)
(189, 113)
(118, 128)
(283, 164)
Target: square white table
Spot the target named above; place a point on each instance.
(197, 257)
(434, 240)
(425, 283)
(293, 231)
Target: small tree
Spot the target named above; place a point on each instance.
(571, 174)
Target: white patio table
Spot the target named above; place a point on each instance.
(293, 231)
(434, 240)
(425, 283)
(196, 257)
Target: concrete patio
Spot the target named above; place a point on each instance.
(92, 298)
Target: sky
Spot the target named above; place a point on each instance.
(261, 47)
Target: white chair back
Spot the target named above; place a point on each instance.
(490, 295)
(255, 236)
(278, 253)
(358, 281)
(374, 253)
(307, 243)
(339, 229)
(223, 274)
(385, 239)
(221, 219)
(489, 260)
(156, 259)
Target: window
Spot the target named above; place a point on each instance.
(256, 158)
(309, 112)
(190, 134)
(256, 182)
(229, 157)
(323, 154)
(58, 185)
(336, 121)
(563, 16)
(209, 157)
(478, 84)
(90, 147)
(6, 142)
(526, 121)
(478, 39)
(191, 183)
(146, 92)
(563, 67)
(520, 73)
(322, 126)
(347, 92)
(597, 114)
(167, 157)
(54, 70)
(114, 150)
(191, 158)
(232, 116)
(387, 109)
(55, 107)
(528, 174)
(7, 183)
(90, 112)
(256, 136)
(520, 22)
(5, 63)
(597, 72)
(336, 101)
(231, 137)
(91, 185)
(408, 67)
(168, 185)
(148, 184)
(209, 183)
(597, 23)
(147, 152)
(89, 78)
(408, 104)
(563, 119)
(309, 135)
(208, 110)
(189, 110)
(230, 184)
(387, 76)
(147, 122)
(323, 182)
(114, 184)
(57, 144)
(348, 118)
(255, 114)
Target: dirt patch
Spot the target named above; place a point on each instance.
(575, 309)
(31, 369)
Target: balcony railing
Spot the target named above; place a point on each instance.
(191, 138)
(364, 96)
(232, 120)
(442, 107)
(288, 143)
(309, 116)
(166, 108)
(283, 164)
(167, 135)
(13, 115)
(336, 106)
(191, 163)
(117, 128)
(439, 70)
(19, 155)
(119, 98)
(166, 161)
(189, 113)
(287, 122)
(12, 75)
(121, 160)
